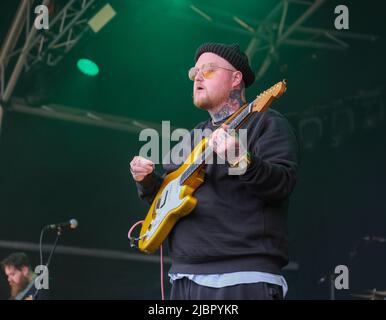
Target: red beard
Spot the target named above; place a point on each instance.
(18, 287)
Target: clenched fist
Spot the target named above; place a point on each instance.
(141, 167)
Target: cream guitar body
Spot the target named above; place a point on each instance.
(173, 201)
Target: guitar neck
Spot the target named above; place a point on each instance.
(240, 116)
(233, 123)
(260, 104)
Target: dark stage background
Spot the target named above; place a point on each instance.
(52, 170)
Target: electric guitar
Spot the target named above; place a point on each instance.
(174, 198)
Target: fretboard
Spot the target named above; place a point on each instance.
(234, 124)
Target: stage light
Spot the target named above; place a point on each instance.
(37, 85)
(104, 15)
(88, 67)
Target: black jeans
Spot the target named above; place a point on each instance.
(185, 289)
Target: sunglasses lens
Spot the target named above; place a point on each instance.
(192, 73)
(207, 73)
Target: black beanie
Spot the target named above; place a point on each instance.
(233, 55)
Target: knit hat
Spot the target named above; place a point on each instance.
(233, 55)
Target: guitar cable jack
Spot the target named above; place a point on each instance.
(134, 240)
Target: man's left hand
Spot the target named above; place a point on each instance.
(226, 146)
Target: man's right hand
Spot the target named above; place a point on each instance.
(141, 167)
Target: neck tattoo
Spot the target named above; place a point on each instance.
(234, 102)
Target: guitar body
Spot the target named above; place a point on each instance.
(172, 202)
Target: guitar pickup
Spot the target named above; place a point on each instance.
(158, 203)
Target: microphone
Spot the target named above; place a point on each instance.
(72, 224)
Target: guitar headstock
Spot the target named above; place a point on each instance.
(264, 99)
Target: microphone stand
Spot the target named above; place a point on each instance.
(332, 285)
(331, 277)
(352, 254)
(58, 234)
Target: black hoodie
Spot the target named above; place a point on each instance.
(240, 221)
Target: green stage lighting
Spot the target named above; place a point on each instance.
(88, 67)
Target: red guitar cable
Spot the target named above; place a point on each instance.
(132, 239)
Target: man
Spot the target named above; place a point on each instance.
(21, 278)
(234, 244)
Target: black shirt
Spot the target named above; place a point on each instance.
(239, 223)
